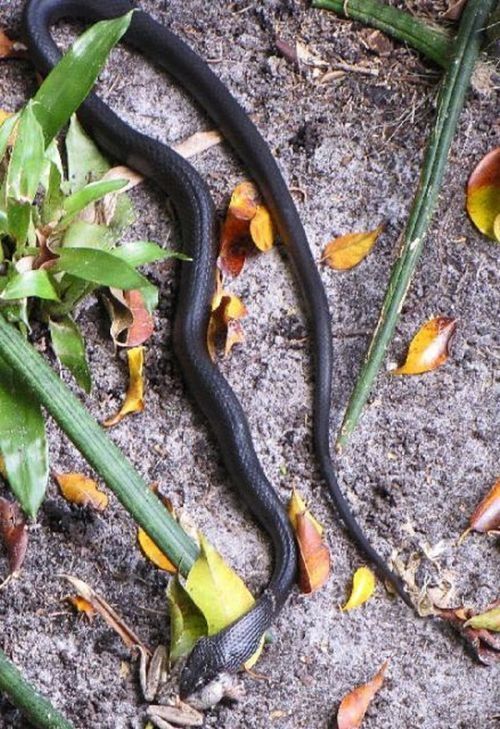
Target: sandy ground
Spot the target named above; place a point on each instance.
(422, 457)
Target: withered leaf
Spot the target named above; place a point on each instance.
(10, 48)
(82, 605)
(486, 517)
(297, 506)
(134, 399)
(261, 229)
(81, 490)
(346, 251)
(484, 644)
(429, 348)
(489, 620)
(128, 313)
(355, 704)
(363, 587)
(14, 533)
(227, 310)
(483, 194)
(198, 142)
(314, 556)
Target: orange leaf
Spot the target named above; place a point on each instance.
(486, 517)
(355, 704)
(297, 506)
(429, 347)
(78, 489)
(13, 533)
(244, 201)
(348, 250)
(134, 399)
(10, 48)
(129, 314)
(261, 229)
(82, 606)
(227, 309)
(153, 553)
(483, 195)
(314, 557)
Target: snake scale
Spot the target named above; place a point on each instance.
(194, 208)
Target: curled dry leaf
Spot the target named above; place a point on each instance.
(483, 195)
(129, 315)
(134, 399)
(227, 310)
(429, 348)
(82, 605)
(78, 489)
(486, 517)
(363, 587)
(484, 644)
(10, 48)
(353, 707)
(346, 251)
(14, 533)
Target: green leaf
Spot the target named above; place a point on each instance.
(79, 200)
(6, 130)
(19, 217)
(22, 441)
(27, 159)
(71, 80)
(143, 251)
(99, 267)
(187, 623)
(69, 347)
(490, 620)
(30, 283)
(53, 201)
(81, 234)
(85, 161)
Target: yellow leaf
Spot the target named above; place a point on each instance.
(261, 229)
(348, 250)
(363, 587)
(82, 606)
(490, 620)
(134, 399)
(429, 347)
(244, 201)
(297, 506)
(483, 194)
(78, 489)
(153, 553)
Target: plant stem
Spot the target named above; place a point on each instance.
(429, 40)
(34, 706)
(98, 449)
(449, 105)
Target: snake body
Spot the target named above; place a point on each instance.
(229, 649)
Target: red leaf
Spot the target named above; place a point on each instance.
(14, 533)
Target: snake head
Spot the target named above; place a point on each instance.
(200, 669)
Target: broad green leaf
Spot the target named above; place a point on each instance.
(19, 217)
(81, 234)
(99, 267)
(79, 200)
(57, 99)
(27, 159)
(22, 441)
(187, 623)
(6, 130)
(144, 251)
(71, 291)
(30, 283)
(53, 201)
(69, 347)
(216, 589)
(85, 161)
(52, 157)
(490, 620)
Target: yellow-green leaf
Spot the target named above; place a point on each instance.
(187, 622)
(347, 251)
(490, 620)
(363, 587)
(483, 194)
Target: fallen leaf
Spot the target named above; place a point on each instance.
(134, 399)
(297, 506)
(486, 517)
(121, 172)
(10, 48)
(363, 587)
(181, 715)
(353, 707)
(107, 612)
(198, 143)
(429, 348)
(154, 553)
(128, 313)
(244, 201)
(14, 533)
(227, 310)
(347, 251)
(314, 557)
(484, 644)
(489, 620)
(82, 605)
(261, 229)
(483, 194)
(78, 489)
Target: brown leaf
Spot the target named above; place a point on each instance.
(82, 605)
(314, 557)
(78, 489)
(134, 399)
(129, 314)
(14, 533)
(429, 348)
(10, 48)
(224, 322)
(198, 143)
(486, 517)
(346, 251)
(108, 613)
(484, 644)
(355, 704)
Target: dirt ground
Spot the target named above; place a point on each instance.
(422, 457)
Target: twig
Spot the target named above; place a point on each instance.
(449, 105)
(431, 41)
(33, 705)
(97, 448)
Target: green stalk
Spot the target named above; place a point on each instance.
(449, 105)
(34, 706)
(98, 449)
(431, 41)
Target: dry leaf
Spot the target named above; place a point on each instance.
(180, 714)
(429, 348)
(13, 533)
(314, 557)
(484, 644)
(347, 251)
(354, 706)
(486, 517)
(10, 48)
(489, 620)
(363, 587)
(134, 399)
(106, 611)
(78, 489)
(154, 554)
(198, 143)
(227, 310)
(483, 195)
(261, 229)
(82, 606)
(129, 314)
(297, 506)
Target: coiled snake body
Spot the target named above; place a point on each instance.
(229, 649)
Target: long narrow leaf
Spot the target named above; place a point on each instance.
(92, 192)
(27, 159)
(30, 283)
(85, 161)
(99, 267)
(69, 347)
(144, 251)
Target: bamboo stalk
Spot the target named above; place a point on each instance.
(431, 41)
(97, 448)
(33, 705)
(449, 105)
